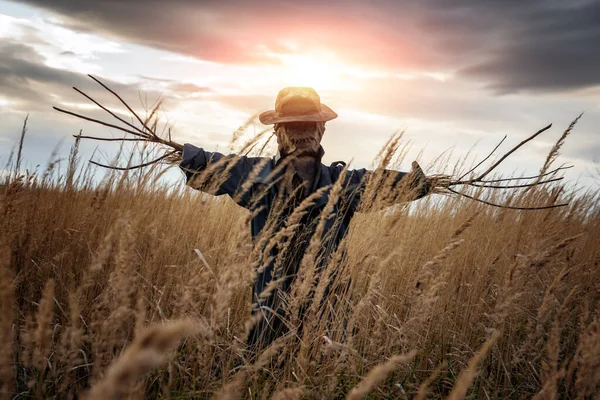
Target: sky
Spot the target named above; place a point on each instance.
(453, 75)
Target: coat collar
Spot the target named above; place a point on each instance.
(323, 178)
(264, 176)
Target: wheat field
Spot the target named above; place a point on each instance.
(126, 288)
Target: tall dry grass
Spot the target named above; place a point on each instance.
(128, 288)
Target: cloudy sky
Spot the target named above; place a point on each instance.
(452, 74)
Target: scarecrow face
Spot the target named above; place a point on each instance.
(299, 136)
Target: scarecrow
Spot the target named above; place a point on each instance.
(278, 186)
(294, 199)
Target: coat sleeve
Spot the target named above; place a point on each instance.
(398, 185)
(216, 173)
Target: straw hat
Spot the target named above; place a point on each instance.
(297, 104)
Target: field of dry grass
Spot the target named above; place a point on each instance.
(102, 295)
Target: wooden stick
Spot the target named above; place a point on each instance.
(96, 121)
(111, 113)
(509, 207)
(135, 166)
(121, 100)
(154, 139)
(485, 159)
(563, 167)
(532, 177)
(490, 169)
(525, 185)
(111, 139)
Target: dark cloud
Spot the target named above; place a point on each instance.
(28, 81)
(506, 45)
(23, 73)
(32, 86)
(556, 50)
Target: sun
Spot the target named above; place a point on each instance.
(321, 72)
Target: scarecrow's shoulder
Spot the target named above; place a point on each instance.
(337, 165)
(353, 176)
(336, 168)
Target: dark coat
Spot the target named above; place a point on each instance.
(255, 183)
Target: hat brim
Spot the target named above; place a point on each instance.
(270, 117)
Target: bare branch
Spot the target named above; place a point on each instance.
(150, 136)
(524, 185)
(121, 100)
(111, 139)
(521, 178)
(135, 166)
(508, 207)
(97, 121)
(490, 169)
(485, 159)
(111, 113)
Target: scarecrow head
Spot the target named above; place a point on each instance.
(299, 119)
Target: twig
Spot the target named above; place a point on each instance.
(521, 178)
(509, 207)
(484, 160)
(135, 166)
(97, 121)
(525, 185)
(121, 100)
(154, 139)
(110, 112)
(111, 139)
(479, 181)
(490, 169)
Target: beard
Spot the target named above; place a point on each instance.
(302, 139)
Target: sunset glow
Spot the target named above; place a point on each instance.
(320, 72)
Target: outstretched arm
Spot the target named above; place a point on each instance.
(216, 173)
(381, 188)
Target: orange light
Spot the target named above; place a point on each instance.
(321, 72)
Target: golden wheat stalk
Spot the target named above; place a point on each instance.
(149, 350)
(466, 376)
(378, 374)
